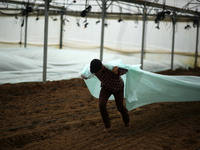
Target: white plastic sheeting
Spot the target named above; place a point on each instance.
(143, 87)
(25, 64)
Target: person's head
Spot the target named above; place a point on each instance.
(95, 65)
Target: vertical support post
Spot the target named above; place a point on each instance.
(26, 26)
(45, 40)
(102, 28)
(143, 35)
(173, 39)
(197, 43)
(61, 30)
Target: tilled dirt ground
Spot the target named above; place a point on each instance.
(62, 115)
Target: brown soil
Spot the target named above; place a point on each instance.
(62, 115)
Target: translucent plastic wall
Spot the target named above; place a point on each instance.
(125, 36)
(11, 30)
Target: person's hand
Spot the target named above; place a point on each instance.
(115, 70)
(83, 77)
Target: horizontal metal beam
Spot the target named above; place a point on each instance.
(157, 5)
(116, 16)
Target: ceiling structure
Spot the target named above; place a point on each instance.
(186, 10)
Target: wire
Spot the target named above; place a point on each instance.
(20, 42)
(195, 6)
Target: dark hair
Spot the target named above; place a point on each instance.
(95, 65)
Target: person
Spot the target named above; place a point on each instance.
(111, 83)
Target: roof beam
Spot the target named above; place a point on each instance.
(157, 5)
(124, 16)
(56, 10)
(140, 2)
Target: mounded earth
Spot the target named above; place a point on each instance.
(62, 115)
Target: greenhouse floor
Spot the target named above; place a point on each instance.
(63, 115)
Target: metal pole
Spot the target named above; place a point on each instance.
(197, 43)
(102, 28)
(25, 39)
(143, 35)
(173, 40)
(45, 40)
(61, 30)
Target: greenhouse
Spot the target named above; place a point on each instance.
(51, 99)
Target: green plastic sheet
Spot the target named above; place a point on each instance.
(143, 87)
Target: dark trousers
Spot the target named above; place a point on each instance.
(103, 98)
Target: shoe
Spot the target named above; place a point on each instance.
(106, 130)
